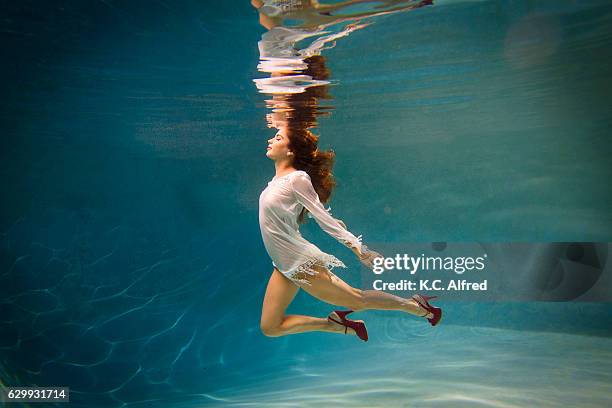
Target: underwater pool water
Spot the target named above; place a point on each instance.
(133, 154)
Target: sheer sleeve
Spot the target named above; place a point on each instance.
(308, 197)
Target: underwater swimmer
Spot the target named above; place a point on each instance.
(302, 183)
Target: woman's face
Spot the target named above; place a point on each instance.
(278, 146)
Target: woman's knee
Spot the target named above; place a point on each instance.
(270, 329)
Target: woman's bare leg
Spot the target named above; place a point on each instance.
(279, 294)
(329, 288)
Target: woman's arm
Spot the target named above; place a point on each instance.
(337, 6)
(308, 197)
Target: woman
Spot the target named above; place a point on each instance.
(312, 14)
(303, 181)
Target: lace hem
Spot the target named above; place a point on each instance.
(327, 260)
(281, 7)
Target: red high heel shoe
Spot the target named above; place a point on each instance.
(436, 311)
(339, 316)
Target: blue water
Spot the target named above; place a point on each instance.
(133, 154)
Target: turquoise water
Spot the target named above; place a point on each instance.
(133, 155)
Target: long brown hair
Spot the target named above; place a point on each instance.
(317, 163)
(303, 143)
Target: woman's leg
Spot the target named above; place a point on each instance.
(329, 288)
(279, 294)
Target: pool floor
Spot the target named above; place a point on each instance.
(453, 367)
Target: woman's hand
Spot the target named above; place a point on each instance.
(367, 257)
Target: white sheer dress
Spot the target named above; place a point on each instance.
(280, 203)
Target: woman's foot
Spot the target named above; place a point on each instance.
(424, 312)
(432, 314)
(347, 326)
(427, 315)
(339, 328)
